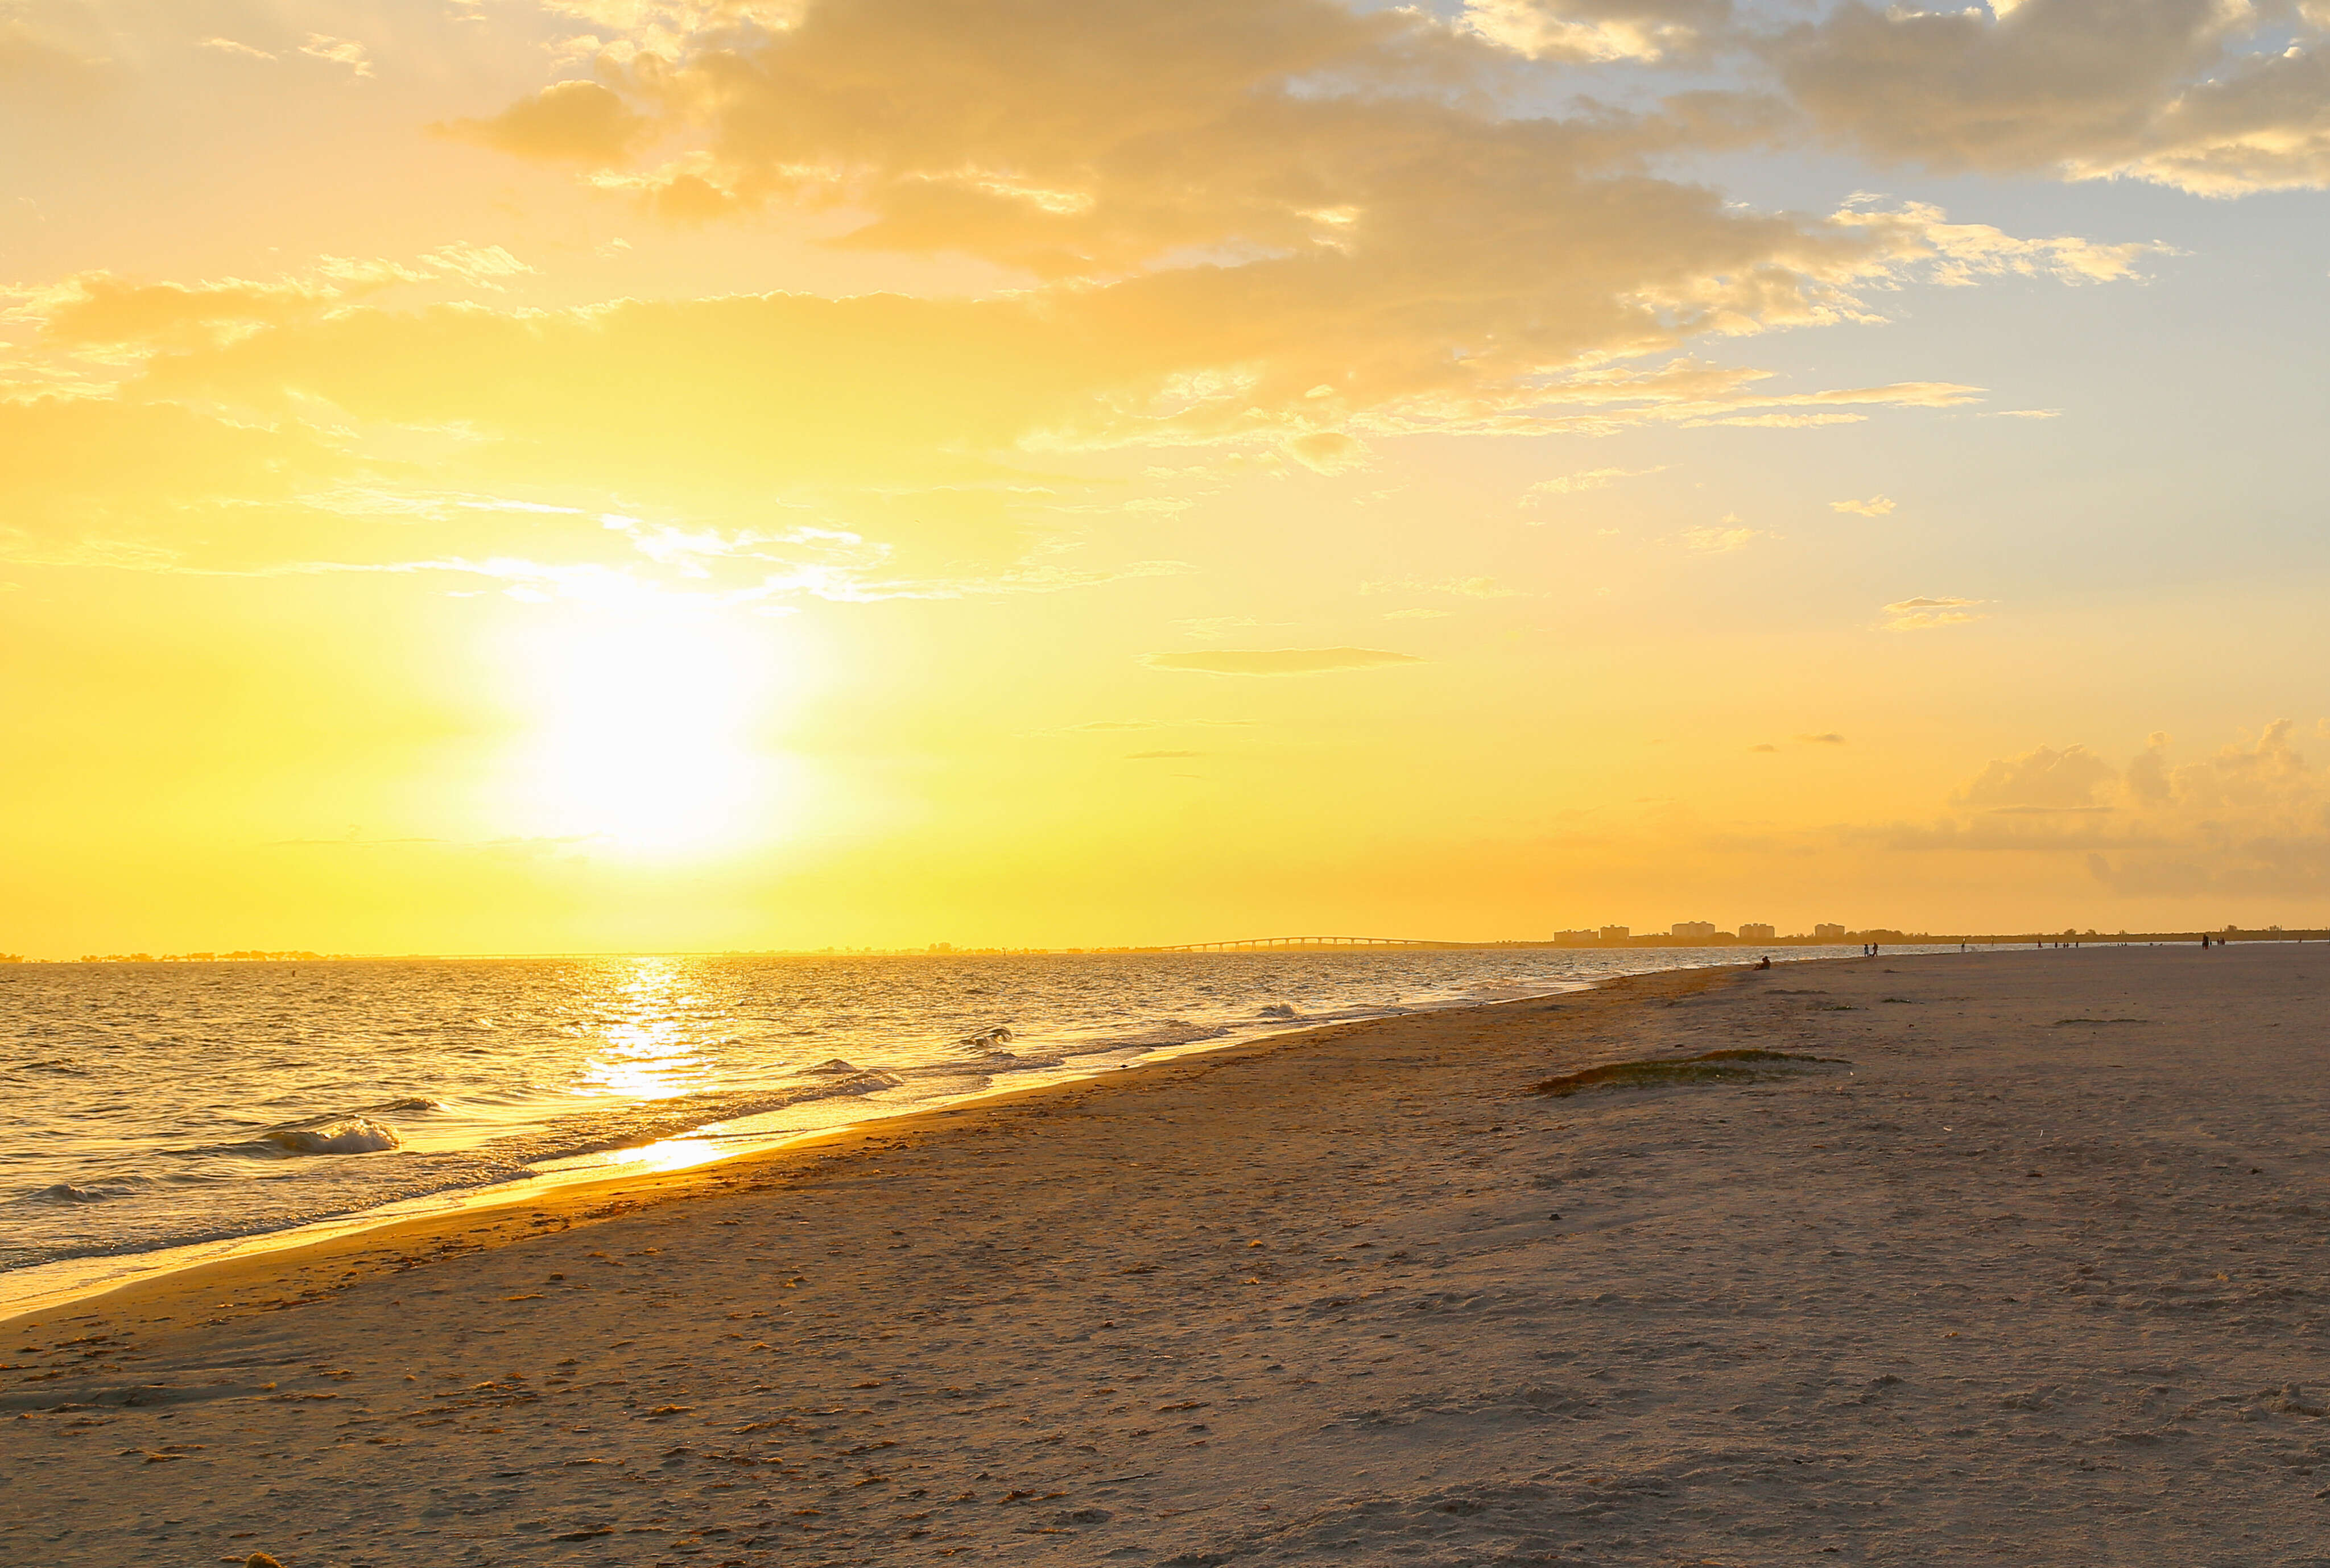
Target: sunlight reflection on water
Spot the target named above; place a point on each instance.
(646, 1056)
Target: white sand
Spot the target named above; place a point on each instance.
(2014, 1289)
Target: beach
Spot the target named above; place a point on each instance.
(2025, 1264)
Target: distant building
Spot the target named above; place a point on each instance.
(1828, 933)
(1572, 939)
(1617, 933)
(1752, 932)
(1692, 930)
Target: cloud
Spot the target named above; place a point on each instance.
(1926, 614)
(2251, 819)
(1207, 244)
(1763, 748)
(96, 310)
(480, 266)
(1875, 506)
(1282, 661)
(1722, 540)
(1827, 738)
(2198, 94)
(574, 121)
(1209, 176)
(229, 46)
(1782, 421)
(2021, 414)
(1159, 756)
(1418, 614)
(2044, 778)
(1581, 31)
(1590, 480)
(1960, 254)
(1328, 452)
(99, 308)
(344, 52)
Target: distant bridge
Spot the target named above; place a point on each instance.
(1258, 944)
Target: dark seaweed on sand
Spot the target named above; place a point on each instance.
(1709, 1067)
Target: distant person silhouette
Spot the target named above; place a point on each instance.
(1764, 962)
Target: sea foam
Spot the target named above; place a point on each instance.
(334, 1135)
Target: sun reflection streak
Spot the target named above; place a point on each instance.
(649, 1055)
(671, 1154)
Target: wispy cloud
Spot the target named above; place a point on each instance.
(344, 52)
(1875, 506)
(1718, 541)
(1590, 480)
(1928, 614)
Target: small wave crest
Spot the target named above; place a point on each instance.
(53, 1226)
(587, 1132)
(334, 1135)
(94, 1192)
(1151, 1037)
(984, 1066)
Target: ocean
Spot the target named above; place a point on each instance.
(161, 1113)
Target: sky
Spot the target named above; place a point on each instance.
(507, 475)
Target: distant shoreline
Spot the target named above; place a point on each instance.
(1647, 943)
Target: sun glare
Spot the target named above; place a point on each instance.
(645, 719)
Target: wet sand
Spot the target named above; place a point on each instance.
(2034, 1272)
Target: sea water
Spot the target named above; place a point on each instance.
(153, 1107)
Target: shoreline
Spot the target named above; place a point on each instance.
(49, 1285)
(2005, 1257)
(636, 1187)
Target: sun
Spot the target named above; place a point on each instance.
(644, 720)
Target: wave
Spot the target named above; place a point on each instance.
(985, 1066)
(583, 1132)
(95, 1192)
(334, 1135)
(50, 1227)
(1154, 1036)
(358, 1132)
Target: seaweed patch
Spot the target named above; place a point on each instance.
(1708, 1067)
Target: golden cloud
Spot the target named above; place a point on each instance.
(577, 121)
(1276, 224)
(2251, 819)
(1927, 614)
